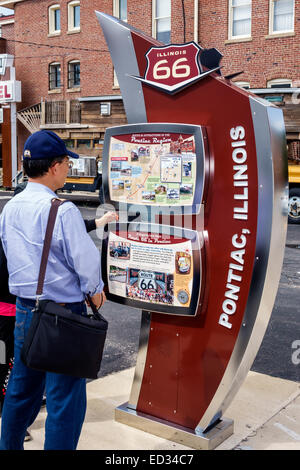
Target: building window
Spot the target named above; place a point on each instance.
(54, 76)
(239, 18)
(54, 19)
(74, 16)
(116, 82)
(279, 83)
(245, 85)
(73, 74)
(282, 16)
(98, 143)
(120, 9)
(161, 15)
(83, 144)
(105, 108)
(69, 143)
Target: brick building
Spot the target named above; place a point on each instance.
(68, 82)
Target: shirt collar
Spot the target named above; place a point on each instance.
(38, 187)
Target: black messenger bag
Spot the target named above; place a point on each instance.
(59, 340)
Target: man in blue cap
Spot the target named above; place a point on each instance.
(73, 270)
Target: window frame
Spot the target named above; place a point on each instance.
(230, 23)
(51, 19)
(285, 82)
(71, 83)
(117, 12)
(55, 65)
(103, 105)
(245, 85)
(115, 80)
(271, 20)
(156, 18)
(71, 16)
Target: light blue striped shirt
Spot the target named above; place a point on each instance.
(73, 267)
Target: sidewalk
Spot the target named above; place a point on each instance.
(266, 414)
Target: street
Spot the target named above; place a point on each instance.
(275, 356)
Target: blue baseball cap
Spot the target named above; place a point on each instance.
(45, 144)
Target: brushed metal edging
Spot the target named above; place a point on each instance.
(270, 242)
(174, 432)
(141, 360)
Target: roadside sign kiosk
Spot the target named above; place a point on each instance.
(202, 164)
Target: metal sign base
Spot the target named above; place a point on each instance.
(167, 430)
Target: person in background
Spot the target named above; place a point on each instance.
(7, 323)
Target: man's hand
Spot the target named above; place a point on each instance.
(99, 299)
(110, 216)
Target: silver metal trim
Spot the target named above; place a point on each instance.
(174, 432)
(270, 243)
(273, 91)
(118, 35)
(101, 98)
(172, 89)
(141, 360)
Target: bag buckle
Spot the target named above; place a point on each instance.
(37, 300)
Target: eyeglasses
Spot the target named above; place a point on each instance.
(69, 163)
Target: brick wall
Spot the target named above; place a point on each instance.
(87, 46)
(261, 58)
(8, 33)
(182, 21)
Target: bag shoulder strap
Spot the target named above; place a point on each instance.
(55, 203)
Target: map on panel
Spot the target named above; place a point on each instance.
(152, 168)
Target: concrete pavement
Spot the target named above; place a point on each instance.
(266, 414)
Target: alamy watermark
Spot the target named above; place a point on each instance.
(296, 352)
(2, 352)
(150, 218)
(296, 95)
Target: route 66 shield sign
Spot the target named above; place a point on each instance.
(174, 66)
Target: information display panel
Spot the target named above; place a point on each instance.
(155, 165)
(154, 267)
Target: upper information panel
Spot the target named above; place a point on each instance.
(158, 168)
(154, 165)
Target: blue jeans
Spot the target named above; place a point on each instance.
(66, 396)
